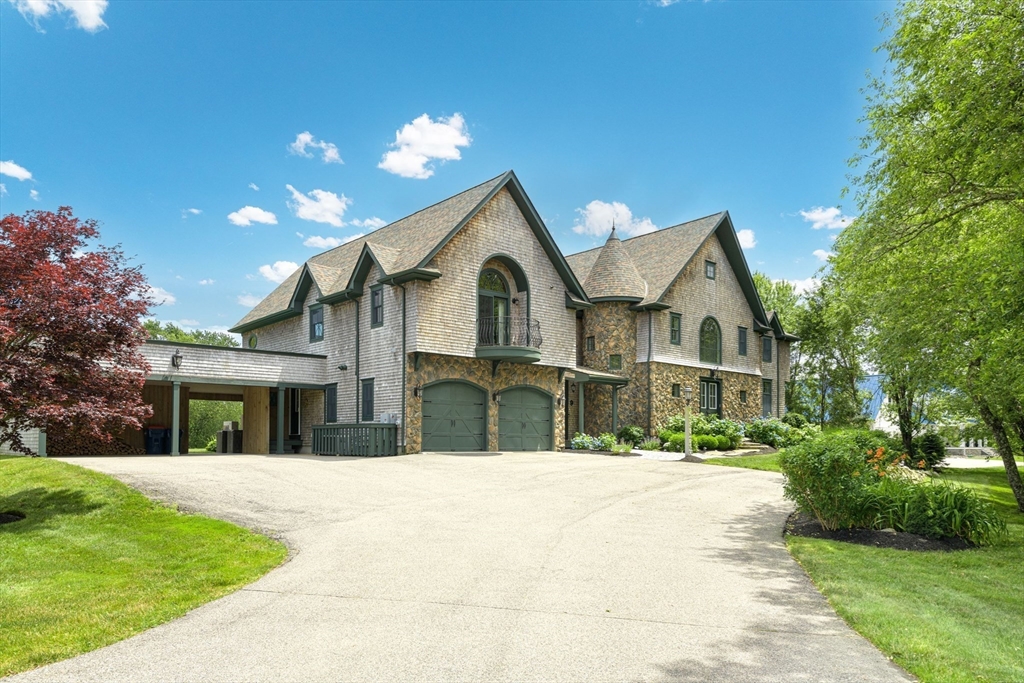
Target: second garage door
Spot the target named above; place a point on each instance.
(524, 420)
(454, 417)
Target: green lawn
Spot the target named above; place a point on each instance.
(94, 562)
(942, 616)
(769, 463)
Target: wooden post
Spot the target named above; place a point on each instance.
(256, 420)
(279, 446)
(175, 417)
(615, 410)
(580, 403)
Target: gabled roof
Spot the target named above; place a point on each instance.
(403, 251)
(661, 256)
(613, 276)
(776, 325)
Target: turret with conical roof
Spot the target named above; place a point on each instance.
(614, 275)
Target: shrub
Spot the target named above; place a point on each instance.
(605, 441)
(929, 451)
(677, 443)
(664, 435)
(650, 445)
(769, 431)
(582, 442)
(707, 442)
(827, 477)
(936, 510)
(854, 478)
(211, 445)
(724, 443)
(795, 420)
(631, 434)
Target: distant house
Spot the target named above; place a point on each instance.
(462, 327)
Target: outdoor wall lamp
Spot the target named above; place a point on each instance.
(496, 396)
(176, 358)
(515, 300)
(416, 391)
(343, 367)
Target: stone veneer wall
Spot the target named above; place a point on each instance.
(613, 326)
(664, 405)
(437, 367)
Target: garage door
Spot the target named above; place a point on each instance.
(524, 420)
(453, 417)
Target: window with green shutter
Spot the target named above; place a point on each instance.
(675, 334)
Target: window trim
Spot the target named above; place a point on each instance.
(312, 326)
(330, 406)
(591, 343)
(363, 383)
(677, 390)
(741, 340)
(743, 396)
(675, 329)
(703, 396)
(700, 341)
(766, 349)
(713, 270)
(375, 307)
(766, 398)
(612, 366)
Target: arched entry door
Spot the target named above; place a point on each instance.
(454, 417)
(525, 420)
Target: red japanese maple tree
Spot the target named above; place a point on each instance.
(70, 331)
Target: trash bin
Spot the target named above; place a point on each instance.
(155, 439)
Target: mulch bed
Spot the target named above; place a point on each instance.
(800, 524)
(11, 516)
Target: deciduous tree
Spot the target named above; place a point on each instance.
(69, 329)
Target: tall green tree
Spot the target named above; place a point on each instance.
(779, 296)
(172, 332)
(937, 253)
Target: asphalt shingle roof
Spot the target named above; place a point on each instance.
(613, 273)
(658, 257)
(398, 246)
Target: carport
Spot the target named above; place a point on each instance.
(197, 371)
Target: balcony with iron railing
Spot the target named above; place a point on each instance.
(516, 339)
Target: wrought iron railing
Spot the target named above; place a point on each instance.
(511, 330)
(367, 439)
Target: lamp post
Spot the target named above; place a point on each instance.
(688, 392)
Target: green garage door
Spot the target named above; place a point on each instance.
(453, 417)
(524, 420)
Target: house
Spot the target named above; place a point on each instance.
(671, 310)
(462, 327)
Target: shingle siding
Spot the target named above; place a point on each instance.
(446, 308)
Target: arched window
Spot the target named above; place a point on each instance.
(710, 341)
(492, 309)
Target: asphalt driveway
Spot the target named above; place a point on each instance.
(511, 567)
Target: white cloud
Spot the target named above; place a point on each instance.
(746, 238)
(319, 206)
(304, 140)
(248, 300)
(419, 142)
(821, 254)
(3, 189)
(665, 3)
(15, 171)
(371, 223)
(194, 212)
(826, 217)
(161, 296)
(278, 272)
(805, 286)
(88, 14)
(318, 242)
(598, 217)
(207, 281)
(188, 322)
(254, 187)
(248, 215)
(34, 194)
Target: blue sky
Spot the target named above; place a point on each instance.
(135, 113)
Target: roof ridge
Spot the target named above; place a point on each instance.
(381, 229)
(672, 227)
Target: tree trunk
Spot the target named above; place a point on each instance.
(905, 416)
(995, 425)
